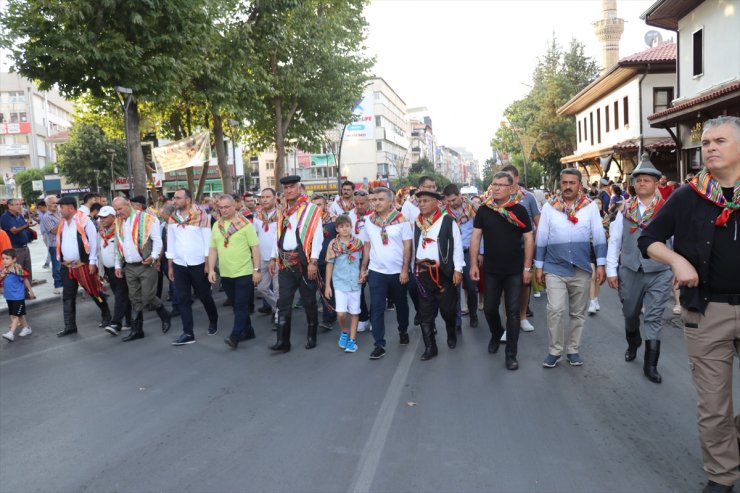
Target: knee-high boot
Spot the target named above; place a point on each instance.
(451, 336)
(650, 365)
(283, 335)
(69, 309)
(137, 328)
(430, 344)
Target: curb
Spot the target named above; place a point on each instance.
(38, 303)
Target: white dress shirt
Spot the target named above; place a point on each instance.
(410, 211)
(289, 237)
(130, 251)
(70, 249)
(336, 208)
(267, 238)
(187, 245)
(616, 228)
(386, 259)
(431, 251)
(107, 254)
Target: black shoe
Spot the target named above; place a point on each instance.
(133, 335)
(231, 342)
(212, 328)
(403, 339)
(429, 353)
(511, 363)
(630, 354)
(416, 320)
(377, 353)
(634, 341)
(281, 347)
(473, 323)
(713, 487)
(247, 335)
(113, 329)
(310, 342)
(183, 339)
(494, 344)
(104, 323)
(326, 326)
(66, 332)
(228, 302)
(264, 310)
(451, 342)
(650, 365)
(165, 317)
(390, 306)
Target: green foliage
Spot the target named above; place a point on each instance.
(533, 121)
(89, 151)
(412, 179)
(488, 172)
(25, 179)
(422, 166)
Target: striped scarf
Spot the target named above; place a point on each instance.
(309, 218)
(196, 217)
(235, 224)
(395, 217)
(265, 219)
(632, 212)
(337, 248)
(709, 188)
(465, 214)
(425, 224)
(504, 211)
(558, 203)
(141, 228)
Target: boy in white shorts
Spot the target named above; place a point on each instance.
(343, 258)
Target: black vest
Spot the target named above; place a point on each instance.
(84, 256)
(445, 245)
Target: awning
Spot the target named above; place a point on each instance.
(627, 146)
(720, 98)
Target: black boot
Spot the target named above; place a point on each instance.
(165, 317)
(311, 340)
(634, 341)
(69, 308)
(137, 328)
(283, 335)
(451, 337)
(430, 344)
(650, 365)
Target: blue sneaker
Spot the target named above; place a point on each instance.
(343, 338)
(551, 361)
(575, 359)
(351, 346)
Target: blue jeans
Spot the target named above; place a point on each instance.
(381, 287)
(238, 290)
(55, 267)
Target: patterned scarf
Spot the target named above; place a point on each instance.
(632, 212)
(266, 220)
(425, 224)
(13, 269)
(107, 234)
(346, 206)
(558, 203)
(395, 217)
(465, 214)
(337, 247)
(309, 218)
(506, 213)
(289, 211)
(141, 228)
(709, 188)
(235, 224)
(196, 217)
(326, 219)
(360, 219)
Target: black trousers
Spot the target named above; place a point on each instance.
(122, 306)
(290, 281)
(187, 279)
(511, 287)
(433, 297)
(69, 300)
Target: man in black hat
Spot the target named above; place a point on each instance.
(139, 203)
(644, 285)
(77, 251)
(439, 263)
(299, 241)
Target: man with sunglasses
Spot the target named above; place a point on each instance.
(343, 204)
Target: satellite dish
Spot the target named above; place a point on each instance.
(653, 38)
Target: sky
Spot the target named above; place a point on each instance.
(467, 60)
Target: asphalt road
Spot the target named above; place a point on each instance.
(89, 413)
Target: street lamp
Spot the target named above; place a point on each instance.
(112, 153)
(124, 95)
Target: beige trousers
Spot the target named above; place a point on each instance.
(571, 292)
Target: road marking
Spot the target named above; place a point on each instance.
(370, 456)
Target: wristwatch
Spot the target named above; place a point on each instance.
(257, 269)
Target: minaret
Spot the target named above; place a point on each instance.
(609, 29)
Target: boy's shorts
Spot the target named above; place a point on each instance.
(347, 302)
(16, 308)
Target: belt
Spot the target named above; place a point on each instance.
(730, 299)
(134, 263)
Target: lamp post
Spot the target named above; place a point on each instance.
(124, 95)
(112, 153)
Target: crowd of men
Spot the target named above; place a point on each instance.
(369, 249)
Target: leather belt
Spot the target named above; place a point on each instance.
(730, 299)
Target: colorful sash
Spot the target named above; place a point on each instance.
(196, 217)
(346, 207)
(141, 228)
(558, 203)
(632, 212)
(236, 223)
(505, 213)
(15, 269)
(425, 224)
(326, 219)
(91, 283)
(265, 219)
(465, 214)
(709, 188)
(360, 218)
(395, 217)
(81, 219)
(309, 218)
(338, 248)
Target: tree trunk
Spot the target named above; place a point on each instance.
(138, 169)
(223, 165)
(279, 143)
(189, 127)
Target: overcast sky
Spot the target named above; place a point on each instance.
(467, 60)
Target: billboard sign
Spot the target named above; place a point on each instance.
(363, 126)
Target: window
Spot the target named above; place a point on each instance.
(271, 181)
(591, 126)
(378, 121)
(698, 53)
(579, 131)
(606, 118)
(598, 125)
(585, 129)
(616, 115)
(379, 145)
(626, 110)
(662, 98)
(269, 165)
(24, 118)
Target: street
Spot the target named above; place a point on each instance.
(90, 413)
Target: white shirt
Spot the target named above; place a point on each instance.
(70, 249)
(386, 259)
(267, 238)
(616, 228)
(353, 217)
(289, 237)
(410, 211)
(107, 254)
(130, 252)
(85, 209)
(187, 245)
(336, 209)
(431, 251)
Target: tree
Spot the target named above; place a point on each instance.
(423, 165)
(24, 181)
(412, 179)
(90, 46)
(87, 157)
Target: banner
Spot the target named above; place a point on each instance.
(185, 153)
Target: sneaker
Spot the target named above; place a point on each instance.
(26, 331)
(113, 329)
(526, 326)
(326, 326)
(551, 361)
(596, 305)
(183, 339)
(592, 307)
(351, 346)
(363, 326)
(677, 310)
(10, 337)
(57, 291)
(377, 353)
(343, 338)
(390, 306)
(537, 294)
(575, 359)
(212, 329)
(403, 338)
(463, 311)
(503, 337)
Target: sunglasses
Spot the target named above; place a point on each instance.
(360, 193)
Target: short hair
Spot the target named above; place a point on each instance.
(342, 219)
(41, 203)
(188, 193)
(503, 174)
(48, 198)
(10, 252)
(168, 209)
(95, 207)
(723, 120)
(318, 196)
(424, 179)
(88, 196)
(385, 191)
(510, 168)
(571, 171)
(347, 183)
(269, 189)
(236, 197)
(450, 189)
(226, 196)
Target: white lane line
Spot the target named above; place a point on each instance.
(370, 457)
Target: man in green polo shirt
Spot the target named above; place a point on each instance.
(235, 245)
